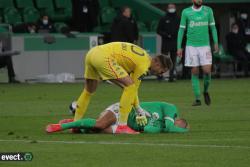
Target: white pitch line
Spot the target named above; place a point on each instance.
(131, 143)
(202, 140)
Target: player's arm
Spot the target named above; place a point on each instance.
(170, 112)
(141, 113)
(136, 77)
(182, 28)
(213, 29)
(152, 129)
(171, 128)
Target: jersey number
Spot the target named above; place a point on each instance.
(134, 49)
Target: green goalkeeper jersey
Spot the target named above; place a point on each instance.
(197, 23)
(158, 111)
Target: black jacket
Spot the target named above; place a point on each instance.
(168, 29)
(243, 24)
(124, 29)
(235, 42)
(48, 27)
(85, 21)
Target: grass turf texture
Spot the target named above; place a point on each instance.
(220, 133)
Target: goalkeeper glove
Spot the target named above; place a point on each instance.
(141, 118)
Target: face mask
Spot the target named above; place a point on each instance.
(235, 31)
(243, 16)
(45, 22)
(171, 10)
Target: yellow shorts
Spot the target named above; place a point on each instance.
(100, 65)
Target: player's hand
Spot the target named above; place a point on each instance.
(178, 60)
(179, 53)
(141, 120)
(216, 48)
(140, 111)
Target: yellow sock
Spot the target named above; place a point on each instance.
(82, 104)
(126, 102)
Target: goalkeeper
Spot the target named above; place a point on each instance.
(162, 117)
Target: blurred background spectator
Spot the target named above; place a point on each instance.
(168, 30)
(25, 28)
(124, 27)
(236, 45)
(6, 61)
(85, 14)
(244, 25)
(45, 25)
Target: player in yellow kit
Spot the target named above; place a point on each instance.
(123, 64)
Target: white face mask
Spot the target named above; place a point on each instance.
(45, 22)
(243, 16)
(172, 10)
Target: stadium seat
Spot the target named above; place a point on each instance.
(6, 3)
(63, 10)
(63, 4)
(4, 28)
(107, 15)
(10, 10)
(153, 25)
(222, 55)
(43, 4)
(102, 29)
(45, 7)
(24, 3)
(59, 26)
(30, 15)
(12, 17)
(142, 26)
(59, 15)
(223, 58)
(104, 3)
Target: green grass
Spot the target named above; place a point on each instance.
(219, 136)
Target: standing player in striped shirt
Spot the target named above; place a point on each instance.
(197, 20)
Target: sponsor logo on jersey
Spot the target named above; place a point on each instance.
(198, 24)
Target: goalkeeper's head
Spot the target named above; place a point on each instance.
(160, 64)
(197, 3)
(180, 122)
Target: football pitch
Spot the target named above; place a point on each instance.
(219, 135)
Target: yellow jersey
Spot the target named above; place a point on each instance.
(132, 58)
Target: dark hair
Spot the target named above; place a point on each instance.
(166, 61)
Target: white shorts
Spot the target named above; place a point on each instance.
(198, 56)
(115, 109)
